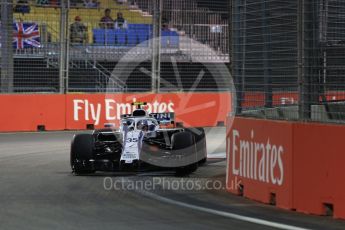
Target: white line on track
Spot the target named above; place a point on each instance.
(216, 155)
(221, 213)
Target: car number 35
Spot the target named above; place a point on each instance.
(132, 140)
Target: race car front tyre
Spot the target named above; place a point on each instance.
(81, 153)
(184, 143)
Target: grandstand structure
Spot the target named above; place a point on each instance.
(191, 43)
(196, 18)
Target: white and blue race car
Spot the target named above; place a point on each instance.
(142, 142)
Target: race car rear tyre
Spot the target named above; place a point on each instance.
(81, 153)
(185, 141)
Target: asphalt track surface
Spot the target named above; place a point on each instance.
(38, 191)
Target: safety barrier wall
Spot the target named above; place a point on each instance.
(261, 157)
(297, 166)
(27, 112)
(319, 173)
(79, 111)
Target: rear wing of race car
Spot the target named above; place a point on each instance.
(160, 117)
(164, 118)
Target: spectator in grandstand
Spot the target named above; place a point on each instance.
(22, 6)
(120, 22)
(106, 21)
(91, 3)
(78, 31)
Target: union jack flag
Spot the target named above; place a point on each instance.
(26, 35)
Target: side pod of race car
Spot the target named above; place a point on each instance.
(143, 142)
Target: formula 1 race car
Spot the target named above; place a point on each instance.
(142, 142)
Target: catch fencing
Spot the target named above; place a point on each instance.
(288, 59)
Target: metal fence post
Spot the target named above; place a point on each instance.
(156, 45)
(63, 47)
(238, 51)
(302, 105)
(6, 47)
(309, 58)
(230, 41)
(267, 59)
(243, 28)
(68, 42)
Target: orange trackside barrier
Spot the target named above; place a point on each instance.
(259, 155)
(28, 112)
(319, 168)
(303, 168)
(80, 111)
(195, 109)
